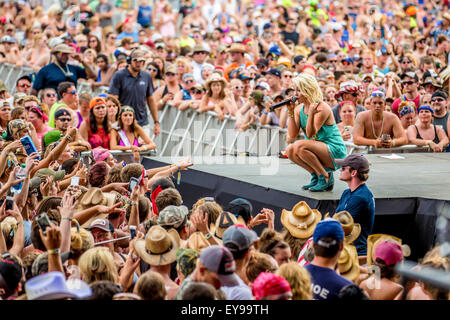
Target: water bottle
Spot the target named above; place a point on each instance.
(20, 174)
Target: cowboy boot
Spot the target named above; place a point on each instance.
(312, 183)
(323, 185)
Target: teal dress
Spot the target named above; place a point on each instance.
(330, 135)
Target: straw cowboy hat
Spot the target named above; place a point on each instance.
(224, 221)
(215, 78)
(237, 47)
(64, 48)
(351, 230)
(348, 263)
(95, 196)
(197, 241)
(374, 239)
(301, 221)
(159, 246)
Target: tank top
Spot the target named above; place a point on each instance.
(436, 138)
(166, 90)
(98, 139)
(126, 143)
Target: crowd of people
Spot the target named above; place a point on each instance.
(368, 72)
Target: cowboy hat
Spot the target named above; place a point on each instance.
(284, 61)
(351, 230)
(301, 221)
(215, 78)
(159, 246)
(64, 48)
(197, 241)
(225, 220)
(95, 196)
(348, 263)
(237, 47)
(374, 239)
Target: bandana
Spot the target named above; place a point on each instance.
(406, 109)
(153, 198)
(425, 108)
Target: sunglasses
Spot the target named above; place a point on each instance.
(10, 30)
(27, 108)
(113, 38)
(421, 41)
(49, 95)
(200, 52)
(138, 61)
(238, 87)
(24, 85)
(189, 81)
(408, 82)
(152, 69)
(72, 92)
(170, 74)
(405, 61)
(333, 61)
(437, 100)
(196, 91)
(93, 40)
(288, 76)
(64, 119)
(367, 81)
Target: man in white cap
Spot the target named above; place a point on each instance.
(59, 71)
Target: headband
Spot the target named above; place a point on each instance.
(406, 109)
(425, 108)
(187, 75)
(123, 109)
(344, 102)
(39, 111)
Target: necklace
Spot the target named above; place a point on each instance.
(373, 128)
(67, 72)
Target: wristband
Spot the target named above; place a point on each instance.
(291, 114)
(66, 218)
(208, 235)
(53, 251)
(264, 112)
(133, 203)
(5, 154)
(156, 122)
(19, 223)
(68, 137)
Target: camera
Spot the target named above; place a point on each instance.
(43, 222)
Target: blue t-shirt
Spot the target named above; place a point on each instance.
(325, 283)
(134, 34)
(51, 76)
(361, 205)
(144, 16)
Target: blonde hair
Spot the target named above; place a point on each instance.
(8, 225)
(308, 86)
(80, 242)
(186, 64)
(98, 264)
(299, 280)
(259, 262)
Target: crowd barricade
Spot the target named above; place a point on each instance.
(125, 156)
(191, 133)
(409, 148)
(10, 73)
(84, 86)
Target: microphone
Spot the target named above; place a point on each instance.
(283, 103)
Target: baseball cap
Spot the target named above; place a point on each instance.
(219, 259)
(10, 275)
(298, 59)
(242, 207)
(439, 94)
(388, 251)
(40, 264)
(267, 25)
(52, 136)
(3, 87)
(409, 74)
(138, 55)
(96, 101)
(355, 161)
(173, 216)
(275, 72)
(240, 236)
(328, 228)
(373, 40)
(61, 112)
(186, 260)
(34, 184)
(102, 224)
(263, 85)
(100, 154)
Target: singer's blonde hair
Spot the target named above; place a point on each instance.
(309, 88)
(98, 264)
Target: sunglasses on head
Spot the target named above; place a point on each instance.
(64, 119)
(377, 94)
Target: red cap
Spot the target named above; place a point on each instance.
(388, 251)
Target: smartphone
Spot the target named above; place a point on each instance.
(43, 222)
(9, 203)
(133, 182)
(133, 232)
(75, 181)
(29, 145)
(385, 137)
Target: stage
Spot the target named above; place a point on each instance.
(409, 193)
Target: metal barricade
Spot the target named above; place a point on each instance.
(125, 156)
(10, 73)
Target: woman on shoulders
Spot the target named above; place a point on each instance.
(425, 133)
(126, 137)
(96, 130)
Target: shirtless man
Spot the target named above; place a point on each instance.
(371, 125)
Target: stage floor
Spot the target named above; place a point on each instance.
(424, 175)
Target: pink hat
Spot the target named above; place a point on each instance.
(269, 285)
(388, 251)
(100, 154)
